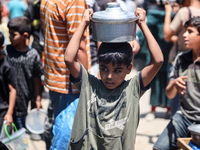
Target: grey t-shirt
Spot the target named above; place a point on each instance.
(190, 101)
(106, 119)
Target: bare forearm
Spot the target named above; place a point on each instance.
(12, 99)
(152, 68)
(171, 90)
(154, 48)
(37, 82)
(166, 27)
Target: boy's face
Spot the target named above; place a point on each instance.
(113, 75)
(175, 7)
(191, 38)
(15, 37)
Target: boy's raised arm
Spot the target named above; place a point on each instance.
(74, 44)
(157, 59)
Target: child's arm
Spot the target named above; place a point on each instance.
(174, 86)
(152, 68)
(37, 82)
(12, 98)
(74, 44)
(167, 31)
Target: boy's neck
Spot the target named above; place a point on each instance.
(23, 47)
(195, 4)
(196, 55)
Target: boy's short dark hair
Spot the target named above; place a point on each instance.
(1, 38)
(194, 21)
(115, 53)
(20, 24)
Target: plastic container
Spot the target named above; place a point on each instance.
(17, 140)
(3, 133)
(35, 121)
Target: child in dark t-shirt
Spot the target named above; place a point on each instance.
(27, 66)
(7, 90)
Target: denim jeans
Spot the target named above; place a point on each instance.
(58, 102)
(177, 127)
(19, 121)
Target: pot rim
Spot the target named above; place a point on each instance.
(114, 14)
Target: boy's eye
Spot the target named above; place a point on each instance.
(118, 71)
(104, 69)
(12, 34)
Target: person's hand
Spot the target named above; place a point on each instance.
(135, 46)
(87, 16)
(142, 15)
(8, 118)
(180, 84)
(168, 7)
(38, 104)
(174, 39)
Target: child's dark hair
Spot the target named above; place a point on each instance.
(194, 21)
(20, 24)
(1, 38)
(115, 53)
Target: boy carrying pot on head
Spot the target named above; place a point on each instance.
(108, 111)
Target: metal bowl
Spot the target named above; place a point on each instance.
(195, 133)
(114, 24)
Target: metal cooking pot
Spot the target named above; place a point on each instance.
(114, 24)
(195, 133)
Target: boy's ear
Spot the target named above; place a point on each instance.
(2, 46)
(26, 35)
(129, 68)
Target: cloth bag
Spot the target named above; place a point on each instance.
(17, 140)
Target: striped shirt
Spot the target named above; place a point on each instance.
(60, 19)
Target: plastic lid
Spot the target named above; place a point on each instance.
(194, 128)
(35, 121)
(114, 14)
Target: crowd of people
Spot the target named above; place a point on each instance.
(49, 43)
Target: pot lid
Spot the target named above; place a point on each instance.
(114, 14)
(194, 128)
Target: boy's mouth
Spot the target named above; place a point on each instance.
(109, 83)
(185, 42)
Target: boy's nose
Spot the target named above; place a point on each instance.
(185, 33)
(110, 75)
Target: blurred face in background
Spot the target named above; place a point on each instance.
(175, 7)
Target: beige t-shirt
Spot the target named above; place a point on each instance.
(178, 22)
